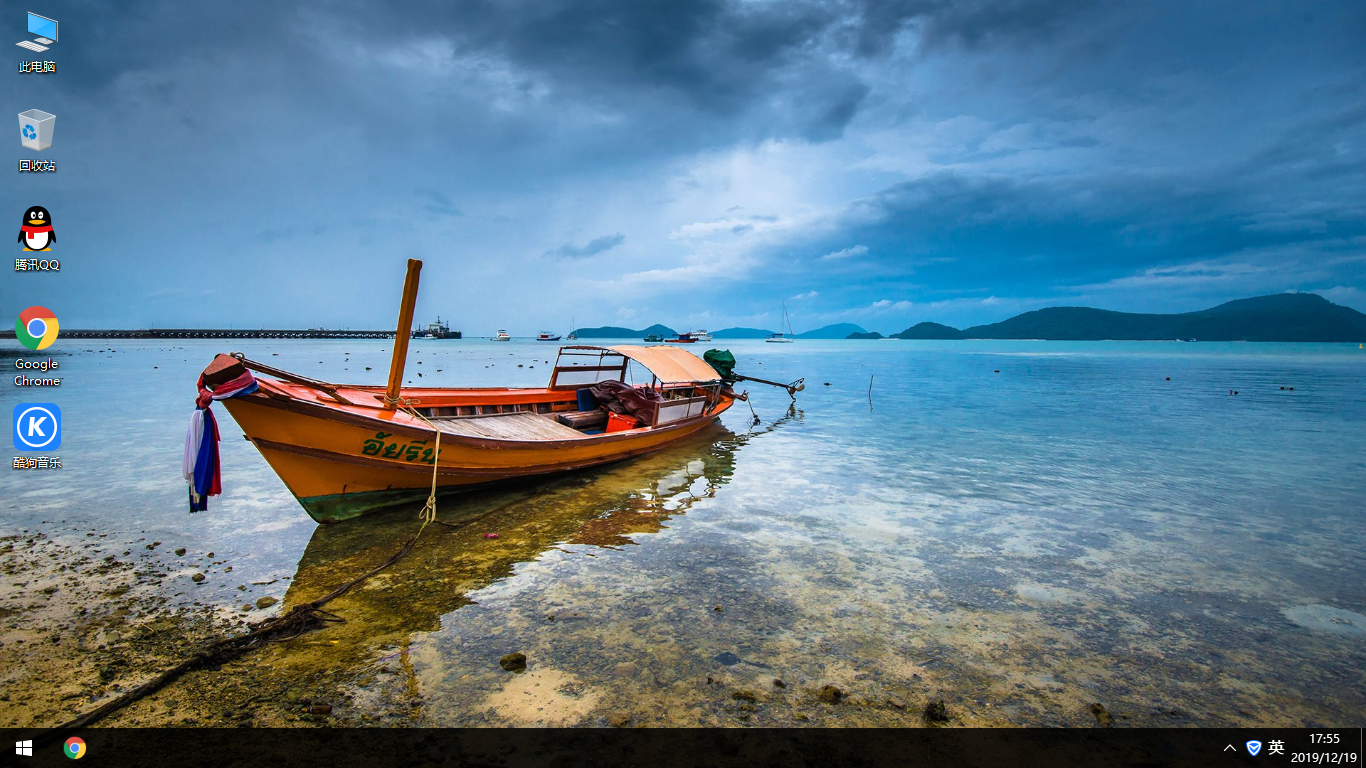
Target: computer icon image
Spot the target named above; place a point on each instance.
(44, 28)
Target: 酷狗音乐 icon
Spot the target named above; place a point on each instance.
(35, 231)
(36, 328)
(35, 129)
(37, 427)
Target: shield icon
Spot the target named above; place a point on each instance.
(1254, 747)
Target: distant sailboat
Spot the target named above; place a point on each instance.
(779, 338)
(573, 331)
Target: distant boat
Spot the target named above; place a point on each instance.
(654, 337)
(438, 330)
(573, 334)
(502, 336)
(683, 338)
(1185, 339)
(699, 335)
(778, 338)
(546, 336)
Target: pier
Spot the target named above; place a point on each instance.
(234, 333)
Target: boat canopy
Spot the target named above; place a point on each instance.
(670, 365)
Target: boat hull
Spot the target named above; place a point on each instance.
(341, 465)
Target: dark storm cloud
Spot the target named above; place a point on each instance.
(591, 248)
(1028, 151)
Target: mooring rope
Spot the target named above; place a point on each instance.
(407, 404)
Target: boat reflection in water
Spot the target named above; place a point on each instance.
(605, 507)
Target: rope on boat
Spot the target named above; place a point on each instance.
(407, 404)
(300, 618)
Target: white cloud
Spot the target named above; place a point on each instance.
(857, 250)
(807, 295)
(887, 305)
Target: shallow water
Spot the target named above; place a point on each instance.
(1019, 528)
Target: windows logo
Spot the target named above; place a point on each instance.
(23, 748)
(29, 133)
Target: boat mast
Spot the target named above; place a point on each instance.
(403, 334)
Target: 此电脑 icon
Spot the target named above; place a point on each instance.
(44, 28)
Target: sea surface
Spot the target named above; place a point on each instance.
(1173, 531)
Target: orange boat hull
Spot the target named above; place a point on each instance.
(344, 461)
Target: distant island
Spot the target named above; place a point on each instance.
(618, 332)
(1280, 317)
(836, 331)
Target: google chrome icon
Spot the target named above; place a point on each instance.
(36, 328)
(75, 748)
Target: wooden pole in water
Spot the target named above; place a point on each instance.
(403, 334)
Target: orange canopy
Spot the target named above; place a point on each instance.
(670, 365)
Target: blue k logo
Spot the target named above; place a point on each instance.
(37, 427)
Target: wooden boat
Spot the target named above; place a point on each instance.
(654, 337)
(683, 338)
(346, 450)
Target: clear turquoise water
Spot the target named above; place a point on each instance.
(1021, 528)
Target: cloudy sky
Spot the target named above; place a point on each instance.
(693, 163)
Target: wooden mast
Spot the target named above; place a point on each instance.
(403, 334)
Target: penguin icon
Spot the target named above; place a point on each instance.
(36, 230)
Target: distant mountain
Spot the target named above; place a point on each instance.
(1280, 317)
(617, 332)
(865, 336)
(929, 331)
(836, 331)
(741, 333)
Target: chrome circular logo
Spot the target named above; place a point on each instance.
(75, 748)
(36, 328)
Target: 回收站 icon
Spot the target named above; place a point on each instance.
(35, 129)
(37, 427)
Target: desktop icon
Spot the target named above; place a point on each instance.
(35, 231)
(36, 328)
(1253, 747)
(75, 748)
(44, 28)
(37, 427)
(35, 129)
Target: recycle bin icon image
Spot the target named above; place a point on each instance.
(35, 128)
